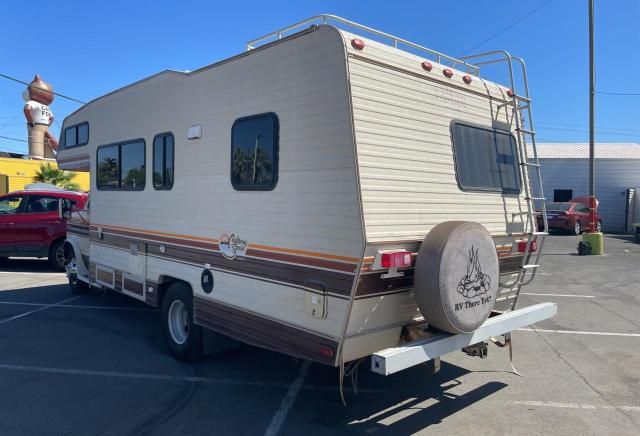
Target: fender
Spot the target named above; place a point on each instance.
(72, 247)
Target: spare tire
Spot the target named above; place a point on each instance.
(456, 276)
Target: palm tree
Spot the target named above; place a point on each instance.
(63, 179)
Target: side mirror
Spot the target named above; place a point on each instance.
(64, 209)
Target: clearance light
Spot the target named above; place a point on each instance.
(467, 79)
(522, 246)
(357, 43)
(448, 72)
(427, 66)
(395, 259)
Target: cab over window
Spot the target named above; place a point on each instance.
(485, 159)
(121, 166)
(254, 153)
(77, 135)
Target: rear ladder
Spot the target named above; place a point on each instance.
(520, 104)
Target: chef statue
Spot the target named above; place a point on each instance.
(38, 97)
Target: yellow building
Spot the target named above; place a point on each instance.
(16, 173)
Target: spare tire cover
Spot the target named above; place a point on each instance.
(456, 276)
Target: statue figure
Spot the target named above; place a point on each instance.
(38, 97)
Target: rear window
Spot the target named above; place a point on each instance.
(485, 159)
(558, 207)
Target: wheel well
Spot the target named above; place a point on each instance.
(68, 250)
(163, 284)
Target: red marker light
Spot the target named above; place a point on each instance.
(357, 43)
(522, 246)
(448, 72)
(510, 93)
(395, 259)
(467, 79)
(427, 66)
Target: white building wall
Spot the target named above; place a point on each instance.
(613, 178)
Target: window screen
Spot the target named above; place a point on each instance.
(121, 166)
(163, 161)
(254, 152)
(485, 159)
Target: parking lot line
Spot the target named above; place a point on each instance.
(575, 406)
(278, 419)
(78, 306)
(40, 309)
(576, 332)
(174, 378)
(558, 295)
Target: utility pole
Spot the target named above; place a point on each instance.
(592, 96)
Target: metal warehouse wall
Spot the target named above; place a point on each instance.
(613, 178)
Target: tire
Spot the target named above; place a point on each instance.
(599, 227)
(77, 286)
(456, 276)
(577, 229)
(56, 255)
(183, 337)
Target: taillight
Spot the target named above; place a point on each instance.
(522, 246)
(395, 259)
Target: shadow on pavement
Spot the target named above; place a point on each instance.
(408, 402)
(27, 265)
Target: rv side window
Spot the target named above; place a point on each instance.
(254, 153)
(121, 166)
(485, 159)
(76, 135)
(163, 161)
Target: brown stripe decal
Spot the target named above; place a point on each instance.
(262, 332)
(510, 264)
(369, 284)
(334, 282)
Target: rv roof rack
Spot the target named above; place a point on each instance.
(392, 40)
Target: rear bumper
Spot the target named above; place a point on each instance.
(396, 359)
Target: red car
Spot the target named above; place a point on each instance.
(573, 215)
(30, 225)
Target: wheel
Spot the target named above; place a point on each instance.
(56, 255)
(576, 228)
(599, 227)
(76, 286)
(183, 337)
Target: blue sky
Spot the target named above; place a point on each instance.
(86, 49)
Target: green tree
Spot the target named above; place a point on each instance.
(63, 179)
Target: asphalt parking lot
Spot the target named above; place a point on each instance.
(97, 364)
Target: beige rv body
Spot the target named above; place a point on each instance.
(365, 164)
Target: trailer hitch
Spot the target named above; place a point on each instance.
(477, 350)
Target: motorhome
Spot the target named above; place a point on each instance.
(333, 192)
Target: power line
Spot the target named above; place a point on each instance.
(618, 93)
(602, 129)
(28, 84)
(13, 139)
(518, 21)
(586, 130)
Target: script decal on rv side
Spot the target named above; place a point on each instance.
(232, 246)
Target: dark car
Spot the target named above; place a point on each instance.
(572, 216)
(30, 225)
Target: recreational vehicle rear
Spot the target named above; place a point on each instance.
(325, 194)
